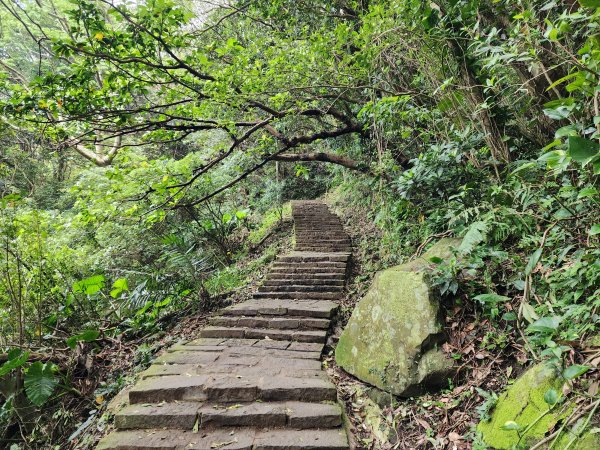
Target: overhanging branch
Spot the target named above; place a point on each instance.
(323, 157)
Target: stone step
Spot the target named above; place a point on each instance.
(320, 258)
(329, 267)
(317, 243)
(321, 237)
(185, 415)
(324, 276)
(321, 265)
(282, 287)
(262, 333)
(284, 323)
(226, 439)
(317, 248)
(304, 281)
(298, 295)
(312, 271)
(203, 388)
(290, 307)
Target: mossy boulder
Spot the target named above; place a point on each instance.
(582, 439)
(391, 339)
(523, 403)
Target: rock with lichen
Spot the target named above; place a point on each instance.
(522, 416)
(392, 338)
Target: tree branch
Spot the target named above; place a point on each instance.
(323, 157)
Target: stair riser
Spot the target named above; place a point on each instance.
(298, 295)
(273, 334)
(295, 276)
(218, 418)
(281, 287)
(303, 282)
(237, 394)
(281, 324)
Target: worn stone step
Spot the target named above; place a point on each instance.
(315, 267)
(311, 271)
(298, 295)
(283, 323)
(319, 248)
(226, 439)
(186, 415)
(335, 246)
(304, 281)
(262, 333)
(315, 257)
(282, 287)
(290, 307)
(225, 388)
(338, 268)
(325, 276)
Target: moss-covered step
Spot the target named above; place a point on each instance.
(391, 339)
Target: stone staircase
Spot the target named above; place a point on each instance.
(253, 379)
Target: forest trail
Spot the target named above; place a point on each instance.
(253, 379)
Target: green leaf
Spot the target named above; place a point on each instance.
(511, 426)
(84, 336)
(582, 150)
(528, 312)
(533, 260)
(40, 382)
(475, 235)
(545, 325)
(590, 3)
(595, 229)
(587, 192)
(574, 371)
(559, 109)
(562, 80)
(16, 358)
(491, 299)
(551, 397)
(436, 260)
(119, 286)
(90, 285)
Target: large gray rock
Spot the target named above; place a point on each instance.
(391, 339)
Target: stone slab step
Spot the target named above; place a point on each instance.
(283, 287)
(331, 240)
(299, 368)
(309, 269)
(331, 276)
(202, 388)
(262, 333)
(315, 257)
(298, 295)
(313, 247)
(283, 323)
(289, 307)
(304, 281)
(322, 265)
(226, 439)
(185, 415)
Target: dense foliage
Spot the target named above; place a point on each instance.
(147, 147)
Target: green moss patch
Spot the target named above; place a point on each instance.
(523, 403)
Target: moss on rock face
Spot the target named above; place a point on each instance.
(523, 403)
(390, 339)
